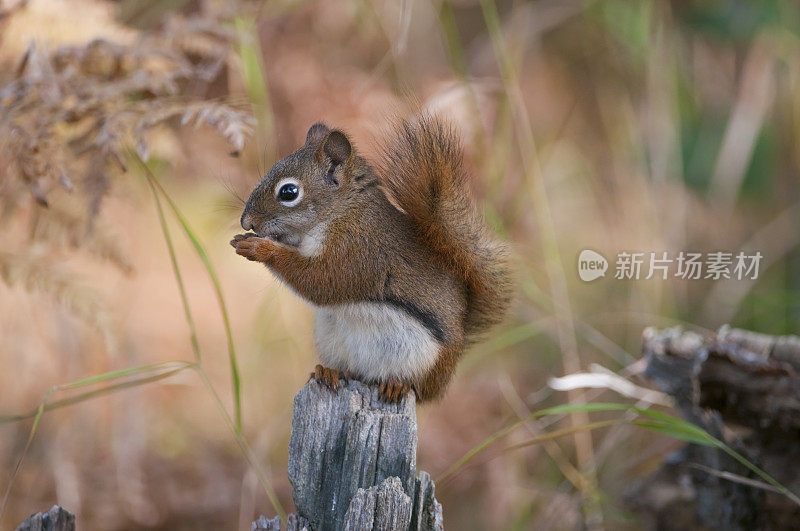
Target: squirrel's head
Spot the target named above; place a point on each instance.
(305, 189)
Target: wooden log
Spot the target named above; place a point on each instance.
(384, 508)
(750, 378)
(293, 523)
(352, 466)
(427, 510)
(352, 462)
(743, 388)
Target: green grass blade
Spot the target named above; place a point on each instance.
(169, 368)
(500, 342)
(255, 81)
(234, 425)
(674, 422)
(201, 252)
(177, 272)
(572, 408)
(760, 473)
(467, 457)
(18, 466)
(244, 447)
(130, 371)
(448, 475)
(656, 421)
(555, 434)
(135, 382)
(452, 41)
(675, 432)
(680, 429)
(557, 410)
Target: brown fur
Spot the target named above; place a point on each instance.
(422, 169)
(434, 258)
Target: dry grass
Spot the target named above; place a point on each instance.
(609, 125)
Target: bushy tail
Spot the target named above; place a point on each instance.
(421, 170)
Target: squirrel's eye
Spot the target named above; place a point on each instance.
(288, 192)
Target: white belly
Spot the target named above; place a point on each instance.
(375, 341)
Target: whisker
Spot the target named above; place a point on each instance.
(227, 207)
(228, 185)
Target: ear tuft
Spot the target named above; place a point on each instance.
(337, 147)
(317, 133)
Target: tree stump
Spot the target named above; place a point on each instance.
(56, 519)
(352, 463)
(743, 388)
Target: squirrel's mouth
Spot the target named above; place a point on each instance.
(279, 235)
(285, 238)
(277, 231)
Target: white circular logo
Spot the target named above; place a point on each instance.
(591, 265)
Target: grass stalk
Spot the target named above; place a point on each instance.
(256, 83)
(161, 370)
(551, 447)
(645, 418)
(248, 453)
(235, 424)
(18, 466)
(177, 272)
(201, 252)
(555, 271)
(458, 64)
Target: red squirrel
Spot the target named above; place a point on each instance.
(400, 267)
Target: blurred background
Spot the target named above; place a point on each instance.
(611, 125)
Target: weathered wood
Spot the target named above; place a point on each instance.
(263, 524)
(743, 388)
(385, 508)
(751, 379)
(56, 519)
(352, 466)
(427, 511)
(352, 462)
(293, 523)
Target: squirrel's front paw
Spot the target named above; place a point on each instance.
(252, 247)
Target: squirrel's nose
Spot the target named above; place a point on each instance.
(247, 221)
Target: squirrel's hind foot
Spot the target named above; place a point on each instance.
(332, 378)
(393, 390)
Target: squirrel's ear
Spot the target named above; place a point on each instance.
(317, 132)
(337, 147)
